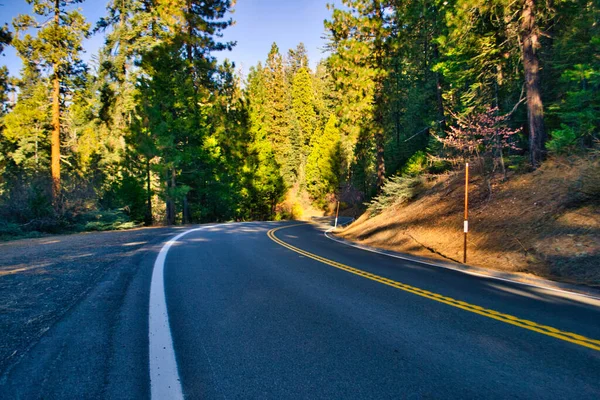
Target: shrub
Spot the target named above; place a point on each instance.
(129, 195)
(104, 221)
(396, 190)
(297, 211)
(518, 163)
(563, 140)
(416, 164)
(8, 229)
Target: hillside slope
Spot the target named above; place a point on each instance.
(546, 222)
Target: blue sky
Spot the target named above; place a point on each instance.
(259, 23)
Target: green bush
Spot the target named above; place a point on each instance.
(563, 140)
(104, 221)
(518, 163)
(416, 164)
(8, 229)
(128, 195)
(396, 190)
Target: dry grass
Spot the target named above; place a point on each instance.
(543, 223)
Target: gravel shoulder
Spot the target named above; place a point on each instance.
(41, 280)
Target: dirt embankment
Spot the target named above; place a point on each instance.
(546, 223)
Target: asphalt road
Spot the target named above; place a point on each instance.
(293, 314)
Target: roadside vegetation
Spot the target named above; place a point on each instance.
(154, 130)
(545, 222)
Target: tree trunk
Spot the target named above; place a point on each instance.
(379, 137)
(55, 139)
(380, 145)
(379, 48)
(531, 65)
(186, 210)
(148, 219)
(170, 198)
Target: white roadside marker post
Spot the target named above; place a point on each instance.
(336, 213)
(466, 223)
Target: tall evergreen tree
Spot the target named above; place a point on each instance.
(323, 165)
(265, 183)
(359, 39)
(530, 45)
(5, 38)
(296, 58)
(27, 126)
(276, 110)
(575, 74)
(303, 104)
(56, 48)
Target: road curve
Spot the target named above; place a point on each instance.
(275, 310)
(253, 317)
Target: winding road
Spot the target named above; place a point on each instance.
(280, 311)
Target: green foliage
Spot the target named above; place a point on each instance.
(108, 220)
(9, 230)
(357, 70)
(161, 130)
(396, 191)
(26, 127)
(297, 59)
(575, 72)
(288, 107)
(563, 140)
(276, 119)
(303, 106)
(265, 184)
(518, 163)
(5, 37)
(323, 164)
(127, 194)
(57, 45)
(416, 164)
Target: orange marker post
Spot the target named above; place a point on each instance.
(466, 223)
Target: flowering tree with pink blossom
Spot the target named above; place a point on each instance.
(481, 138)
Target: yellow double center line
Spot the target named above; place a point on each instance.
(509, 319)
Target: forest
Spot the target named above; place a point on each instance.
(154, 130)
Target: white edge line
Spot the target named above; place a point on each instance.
(165, 382)
(164, 376)
(358, 246)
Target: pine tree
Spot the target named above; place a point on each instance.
(303, 105)
(575, 72)
(56, 47)
(324, 93)
(28, 124)
(359, 39)
(5, 38)
(323, 164)
(296, 58)
(265, 186)
(276, 112)
(530, 47)
(491, 39)
(133, 28)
